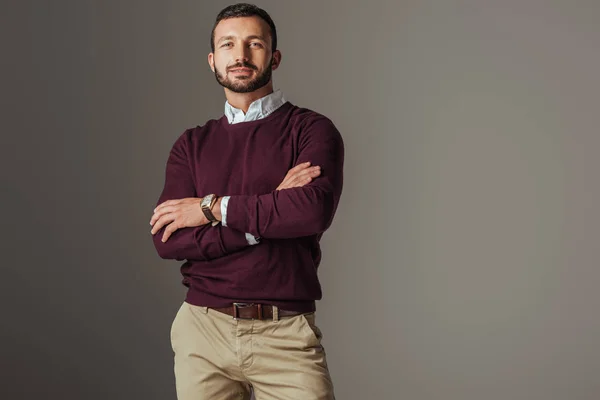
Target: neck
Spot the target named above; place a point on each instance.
(242, 101)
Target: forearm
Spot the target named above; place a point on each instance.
(284, 214)
(200, 243)
(299, 211)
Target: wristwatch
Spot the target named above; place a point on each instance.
(206, 204)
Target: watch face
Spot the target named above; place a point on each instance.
(206, 201)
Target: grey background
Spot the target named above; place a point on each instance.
(462, 263)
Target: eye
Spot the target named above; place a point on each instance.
(256, 44)
(226, 44)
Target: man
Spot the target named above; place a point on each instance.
(246, 200)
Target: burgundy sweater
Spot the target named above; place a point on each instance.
(247, 161)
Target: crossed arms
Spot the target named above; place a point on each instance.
(303, 204)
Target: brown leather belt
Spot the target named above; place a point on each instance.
(254, 311)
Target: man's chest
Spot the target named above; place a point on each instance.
(252, 162)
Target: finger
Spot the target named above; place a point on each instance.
(301, 182)
(156, 216)
(299, 167)
(172, 227)
(163, 204)
(309, 173)
(292, 175)
(302, 165)
(162, 221)
(167, 203)
(297, 182)
(313, 171)
(164, 211)
(286, 180)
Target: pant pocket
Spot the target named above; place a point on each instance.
(173, 332)
(311, 328)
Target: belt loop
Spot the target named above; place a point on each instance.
(275, 314)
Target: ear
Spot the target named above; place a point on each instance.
(276, 60)
(211, 61)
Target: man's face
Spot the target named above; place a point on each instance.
(242, 60)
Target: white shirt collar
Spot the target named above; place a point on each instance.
(258, 109)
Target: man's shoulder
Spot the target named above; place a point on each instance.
(306, 117)
(209, 126)
(191, 136)
(302, 113)
(196, 132)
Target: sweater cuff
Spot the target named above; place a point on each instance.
(250, 238)
(238, 213)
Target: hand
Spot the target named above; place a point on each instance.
(299, 176)
(179, 213)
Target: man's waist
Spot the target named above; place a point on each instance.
(255, 311)
(288, 306)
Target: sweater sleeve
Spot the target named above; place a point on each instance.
(199, 243)
(301, 211)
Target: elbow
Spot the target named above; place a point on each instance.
(163, 249)
(323, 215)
(164, 253)
(168, 254)
(325, 221)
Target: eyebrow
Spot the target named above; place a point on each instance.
(247, 38)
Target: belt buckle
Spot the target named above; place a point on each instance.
(236, 313)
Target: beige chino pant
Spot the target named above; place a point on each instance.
(219, 358)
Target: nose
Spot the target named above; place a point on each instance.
(242, 54)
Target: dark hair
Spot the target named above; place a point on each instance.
(244, 10)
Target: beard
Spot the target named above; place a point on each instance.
(245, 84)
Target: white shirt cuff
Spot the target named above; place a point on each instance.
(251, 239)
(224, 202)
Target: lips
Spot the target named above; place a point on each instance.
(243, 70)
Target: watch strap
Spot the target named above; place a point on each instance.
(207, 210)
